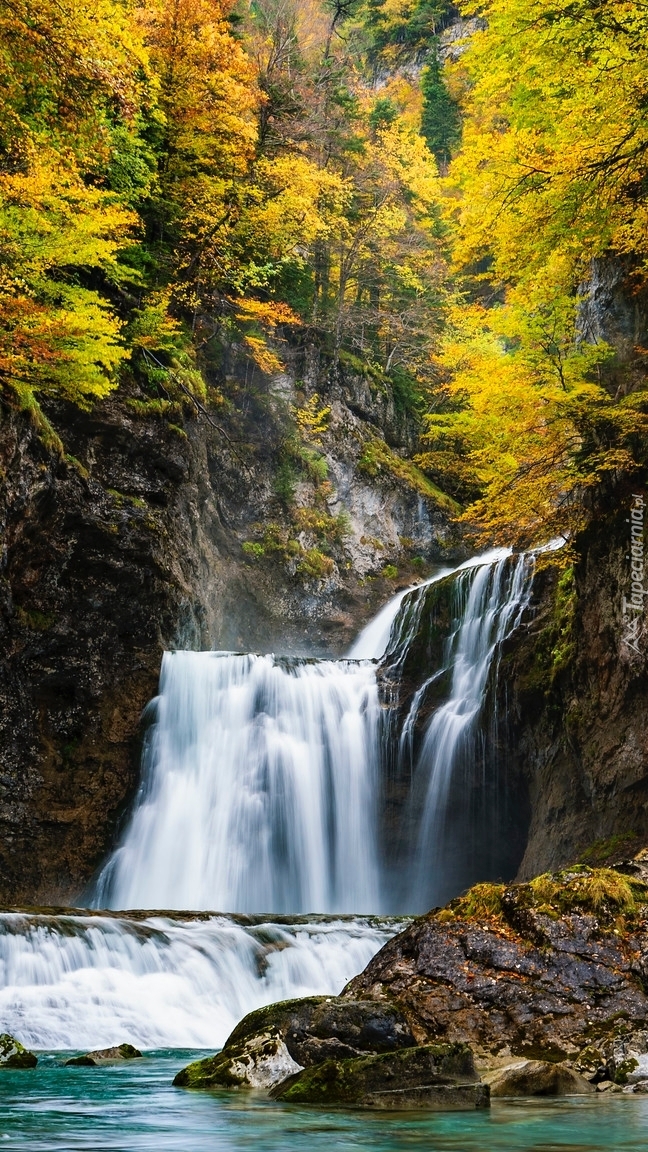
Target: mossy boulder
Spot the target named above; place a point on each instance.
(260, 1062)
(14, 1055)
(544, 970)
(105, 1056)
(436, 1076)
(274, 1042)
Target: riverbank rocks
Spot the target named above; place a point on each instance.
(542, 971)
(105, 1056)
(14, 1055)
(272, 1043)
(545, 982)
(537, 1078)
(434, 1077)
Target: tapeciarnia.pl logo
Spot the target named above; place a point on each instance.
(634, 604)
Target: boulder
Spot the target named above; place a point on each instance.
(105, 1056)
(434, 1077)
(272, 1043)
(538, 1078)
(13, 1055)
(545, 969)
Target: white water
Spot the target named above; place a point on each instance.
(259, 790)
(74, 981)
(262, 776)
(490, 604)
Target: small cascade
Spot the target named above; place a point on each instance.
(91, 981)
(259, 790)
(489, 599)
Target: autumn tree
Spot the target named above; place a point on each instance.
(550, 175)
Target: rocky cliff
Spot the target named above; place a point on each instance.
(158, 528)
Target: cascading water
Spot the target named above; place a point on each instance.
(489, 603)
(264, 790)
(262, 783)
(88, 981)
(259, 790)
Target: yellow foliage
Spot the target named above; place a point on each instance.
(313, 419)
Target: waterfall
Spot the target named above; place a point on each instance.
(91, 981)
(263, 777)
(259, 789)
(284, 786)
(489, 601)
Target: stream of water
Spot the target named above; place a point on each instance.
(261, 780)
(135, 1109)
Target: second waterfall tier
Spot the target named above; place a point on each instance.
(296, 786)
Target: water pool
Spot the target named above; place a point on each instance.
(134, 1108)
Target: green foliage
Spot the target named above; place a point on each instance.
(440, 118)
(315, 565)
(565, 613)
(34, 620)
(378, 459)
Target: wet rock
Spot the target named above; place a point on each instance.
(627, 1058)
(105, 1056)
(14, 1055)
(548, 989)
(260, 1062)
(435, 1077)
(538, 1078)
(274, 1042)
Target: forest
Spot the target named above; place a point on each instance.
(185, 180)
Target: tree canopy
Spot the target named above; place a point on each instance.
(197, 177)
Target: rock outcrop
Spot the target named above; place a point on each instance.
(541, 971)
(272, 1043)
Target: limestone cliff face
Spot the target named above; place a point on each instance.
(133, 543)
(578, 700)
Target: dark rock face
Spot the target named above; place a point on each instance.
(539, 987)
(434, 1077)
(575, 707)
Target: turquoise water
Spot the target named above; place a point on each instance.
(134, 1108)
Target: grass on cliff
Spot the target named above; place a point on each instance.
(613, 898)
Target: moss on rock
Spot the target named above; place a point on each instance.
(14, 1055)
(431, 1076)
